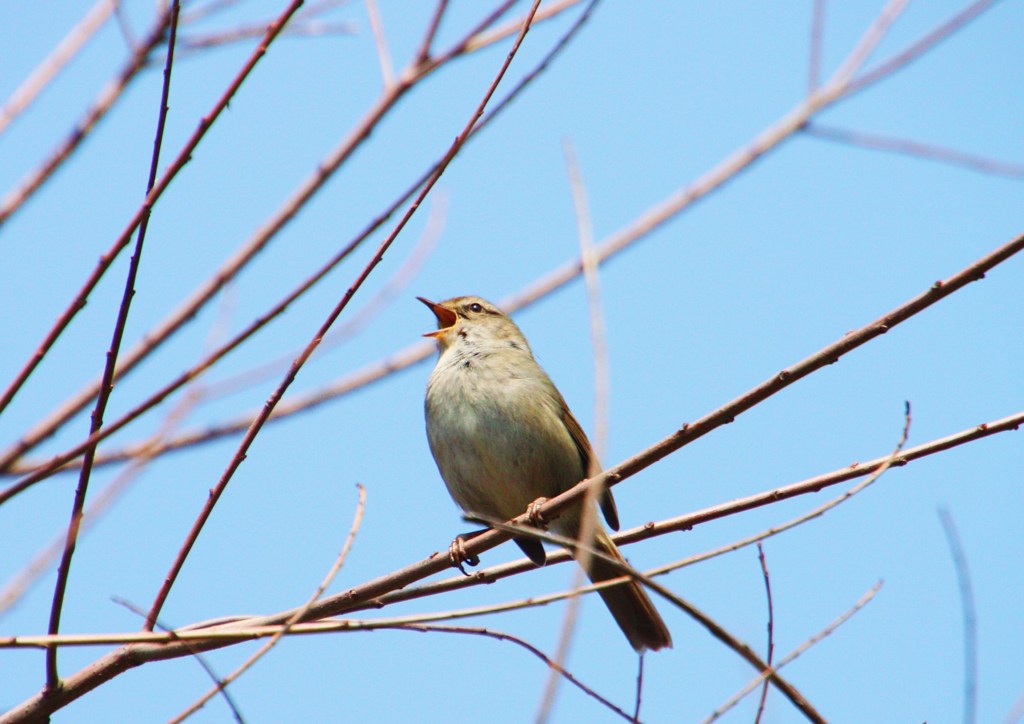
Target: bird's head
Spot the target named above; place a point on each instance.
(473, 319)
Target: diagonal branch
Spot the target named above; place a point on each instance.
(266, 232)
(375, 594)
(41, 471)
(655, 217)
(104, 101)
(916, 149)
(831, 354)
(221, 684)
(688, 521)
(107, 386)
(795, 653)
(64, 51)
(183, 157)
(278, 393)
(970, 617)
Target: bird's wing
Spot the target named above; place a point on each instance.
(591, 465)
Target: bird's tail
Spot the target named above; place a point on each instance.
(629, 603)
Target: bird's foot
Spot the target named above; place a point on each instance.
(535, 515)
(458, 556)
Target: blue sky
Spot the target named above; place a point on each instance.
(813, 240)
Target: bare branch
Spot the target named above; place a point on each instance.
(592, 279)
(587, 527)
(143, 211)
(357, 521)
(908, 147)
(872, 469)
(712, 626)
(788, 658)
(490, 37)
(970, 617)
(423, 54)
(868, 42)
(107, 386)
(638, 699)
(64, 51)
(771, 629)
(103, 103)
(200, 659)
(921, 46)
(501, 636)
(817, 32)
(370, 374)
(387, 70)
(278, 393)
(325, 169)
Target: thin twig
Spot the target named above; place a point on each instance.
(387, 70)
(587, 527)
(278, 393)
(64, 51)
(919, 47)
(408, 271)
(713, 627)
(970, 618)
(566, 631)
(103, 102)
(795, 653)
(771, 628)
(183, 157)
(502, 636)
(198, 656)
(107, 386)
(40, 564)
(247, 629)
(221, 686)
(638, 697)
(299, 404)
(323, 172)
(125, 28)
(817, 39)
(547, 12)
(423, 53)
(592, 280)
(121, 482)
(909, 147)
(868, 42)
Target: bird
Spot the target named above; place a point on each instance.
(503, 439)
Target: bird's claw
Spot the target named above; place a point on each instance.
(533, 512)
(458, 556)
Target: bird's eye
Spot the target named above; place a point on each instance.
(476, 308)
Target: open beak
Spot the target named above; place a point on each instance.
(445, 318)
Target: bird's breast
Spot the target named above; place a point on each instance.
(497, 435)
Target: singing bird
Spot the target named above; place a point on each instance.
(503, 437)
